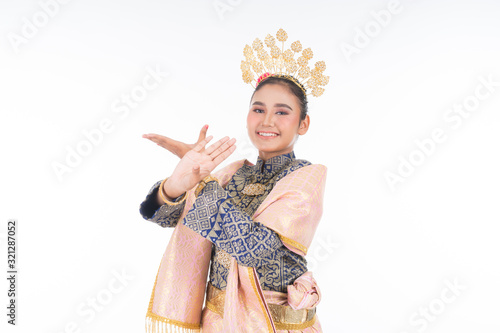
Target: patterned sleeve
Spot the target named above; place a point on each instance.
(165, 215)
(215, 217)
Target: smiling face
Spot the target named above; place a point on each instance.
(273, 121)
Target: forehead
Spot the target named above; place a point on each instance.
(271, 94)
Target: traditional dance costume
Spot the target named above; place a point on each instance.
(247, 228)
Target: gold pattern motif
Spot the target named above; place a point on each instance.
(223, 258)
(254, 189)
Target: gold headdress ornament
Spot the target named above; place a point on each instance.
(281, 63)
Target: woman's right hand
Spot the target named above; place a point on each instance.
(198, 163)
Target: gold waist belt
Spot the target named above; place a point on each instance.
(284, 317)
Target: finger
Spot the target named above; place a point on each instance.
(165, 142)
(203, 133)
(218, 160)
(222, 148)
(216, 145)
(151, 136)
(200, 145)
(160, 139)
(196, 170)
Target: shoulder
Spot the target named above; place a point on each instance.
(304, 165)
(317, 171)
(309, 178)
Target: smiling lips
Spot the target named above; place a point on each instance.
(267, 134)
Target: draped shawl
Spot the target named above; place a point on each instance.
(292, 209)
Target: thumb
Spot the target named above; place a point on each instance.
(196, 170)
(203, 133)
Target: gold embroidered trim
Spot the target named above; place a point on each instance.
(153, 326)
(203, 183)
(262, 305)
(285, 314)
(212, 307)
(284, 317)
(292, 327)
(152, 318)
(172, 321)
(293, 243)
(150, 306)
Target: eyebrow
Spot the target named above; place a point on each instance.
(275, 105)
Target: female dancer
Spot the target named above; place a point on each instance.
(250, 224)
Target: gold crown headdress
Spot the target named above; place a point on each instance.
(282, 64)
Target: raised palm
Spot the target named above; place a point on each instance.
(198, 163)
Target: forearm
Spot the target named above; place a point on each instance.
(215, 217)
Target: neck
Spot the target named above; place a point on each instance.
(265, 156)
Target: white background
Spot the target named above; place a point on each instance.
(381, 253)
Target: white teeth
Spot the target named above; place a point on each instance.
(268, 134)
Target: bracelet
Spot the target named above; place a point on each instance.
(164, 196)
(203, 183)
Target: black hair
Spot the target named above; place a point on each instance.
(292, 87)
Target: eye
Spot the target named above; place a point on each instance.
(258, 110)
(282, 113)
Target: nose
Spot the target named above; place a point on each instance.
(268, 119)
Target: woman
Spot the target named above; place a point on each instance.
(251, 224)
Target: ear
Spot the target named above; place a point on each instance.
(304, 125)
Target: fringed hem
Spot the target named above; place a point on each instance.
(157, 324)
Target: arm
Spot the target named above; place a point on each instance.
(165, 215)
(293, 209)
(214, 216)
(194, 165)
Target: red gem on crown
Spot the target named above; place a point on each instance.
(263, 76)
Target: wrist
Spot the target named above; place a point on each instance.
(169, 192)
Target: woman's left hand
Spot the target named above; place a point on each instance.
(178, 148)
